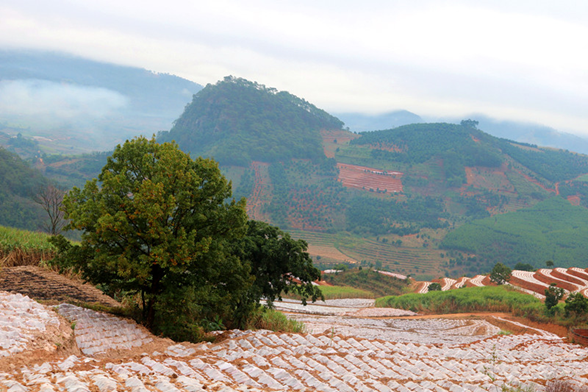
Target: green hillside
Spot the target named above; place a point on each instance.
(551, 230)
(421, 199)
(236, 121)
(18, 182)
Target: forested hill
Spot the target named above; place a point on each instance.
(464, 145)
(237, 121)
(18, 182)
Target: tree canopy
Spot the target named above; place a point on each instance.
(236, 121)
(161, 225)
(500, 274)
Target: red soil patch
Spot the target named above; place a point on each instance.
(489, 178)
(255, 201)
(537, 288)
(341, 137)
(361, 177)
(534, 181)
(540, 276)
(574, 200)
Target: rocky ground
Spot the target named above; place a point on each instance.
(352, 347)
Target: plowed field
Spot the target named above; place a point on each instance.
(361, 177)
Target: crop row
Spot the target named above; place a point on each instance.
(570, 279)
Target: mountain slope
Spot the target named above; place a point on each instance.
(18, 182)
(84, 104)
(236, 121)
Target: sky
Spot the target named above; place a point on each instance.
(526, 61)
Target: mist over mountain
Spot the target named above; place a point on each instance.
(358, 122)
(537, 134)
(85, 104)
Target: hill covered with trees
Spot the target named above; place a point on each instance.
(237, 121)
(421, 199)
(18, 183)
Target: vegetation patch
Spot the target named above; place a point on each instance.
(369, 281)
(22, 247)
(553, 229)
(465, 300)
(338, 292)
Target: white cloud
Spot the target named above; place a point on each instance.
(517, 61)
(56, 102)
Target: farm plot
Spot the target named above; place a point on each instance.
(329, 252)
(259, 197)
(361, 177)
(535, 283)
(334, 138)
(352, 355)
(488, 178)
(397, 259)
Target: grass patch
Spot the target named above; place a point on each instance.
(337, 292)
(465, 300)
(22, 247)
(369, 281)
(274, 320)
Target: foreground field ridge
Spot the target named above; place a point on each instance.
(112, 354)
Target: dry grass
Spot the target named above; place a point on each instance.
(19, 257)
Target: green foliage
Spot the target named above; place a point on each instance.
(337, 292)
(306, 194)
(500, 274)
(159, 225)
(471, 299)
(552, 296)
(551, 229)
(18, 183)
(576, 306)
(379, 216)
(417, 143)
(273, 320)
(368, 280)
(70, 171)
(523, 267)
(237, 121)
(246, 185)
(28, 241)
(275, 260)
(553, 165)
(435, 287)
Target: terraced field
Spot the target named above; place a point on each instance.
(367, 178)
(404, 260)
(261, 191)
(397, 259)
(570, 279)
(412, 355)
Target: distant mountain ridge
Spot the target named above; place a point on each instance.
(85, 104)
(358, 122)
(236, 121)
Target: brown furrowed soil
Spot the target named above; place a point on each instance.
(42, 284)
(367, 178)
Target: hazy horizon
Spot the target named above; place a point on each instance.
(520, 62)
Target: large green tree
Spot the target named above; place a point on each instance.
(158, 223)
(279, 265)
